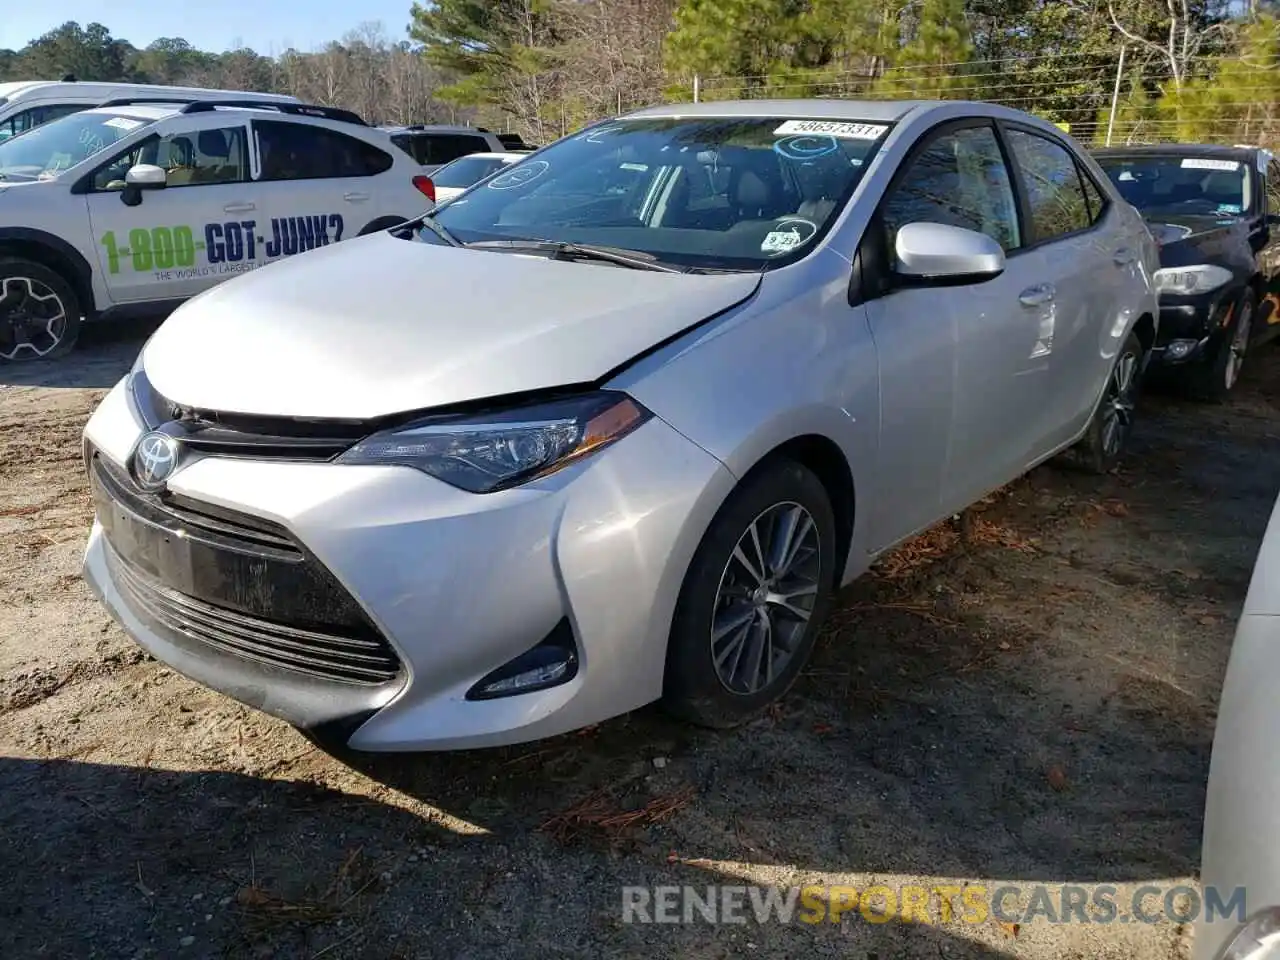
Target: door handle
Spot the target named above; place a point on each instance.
(1036, 296)
(238, 207)
(1124, 257)
(355, 197)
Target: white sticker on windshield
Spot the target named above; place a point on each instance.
(832, 128)
(788, 235)
(1201, 163)
(123, 123)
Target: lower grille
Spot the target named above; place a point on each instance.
(325, 656)
(238, 583)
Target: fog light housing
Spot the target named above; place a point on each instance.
(552, 662)
(1258, 939)
(1179, 349)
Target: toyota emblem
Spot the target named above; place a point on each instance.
(154, 460)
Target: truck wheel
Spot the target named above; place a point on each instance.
(39, 312)
(753, 599)
(1213, 381)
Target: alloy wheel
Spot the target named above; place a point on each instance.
(33, 318)
(765, 598)
(1118, 404)
(1239, 345)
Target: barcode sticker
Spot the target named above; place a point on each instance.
(1201, 163)
(831, 128)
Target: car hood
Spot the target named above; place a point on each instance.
(381, 325)
(1197, 239)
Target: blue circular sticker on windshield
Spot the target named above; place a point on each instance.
(519, 175)
(806, 147)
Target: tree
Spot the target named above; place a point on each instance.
(88, 53)
(502, 52)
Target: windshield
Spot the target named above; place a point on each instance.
(1171, 184)
(466, 171)
(738, 193)
(61, 144)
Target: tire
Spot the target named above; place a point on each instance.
(1215, 380)
(39, 312)
(1100, 449)
(717, 588)
(382, 223)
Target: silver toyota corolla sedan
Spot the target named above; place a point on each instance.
(613, 425)
(1239, 917)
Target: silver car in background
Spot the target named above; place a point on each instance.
(692, 369)
(1242, 808)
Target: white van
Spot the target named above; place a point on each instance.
(28, 103)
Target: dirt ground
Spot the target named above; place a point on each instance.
(1035, 706)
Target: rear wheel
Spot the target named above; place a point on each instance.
(39, 312)
(1218, 378)
(753, 599)
(382, 223)
(1100, 449)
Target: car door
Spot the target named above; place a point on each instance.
(320, 186)
(957, 370)
(1077, 264)
(1269, 258)
(200, 229)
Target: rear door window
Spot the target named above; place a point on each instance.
(297, 151)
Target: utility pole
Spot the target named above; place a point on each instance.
(1115, 95)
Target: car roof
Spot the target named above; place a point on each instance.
(490, 156)
(1206, 150)
(820, 109)
(14, 87)
(138, 111)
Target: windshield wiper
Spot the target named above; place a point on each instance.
(428, 221)
(566, 250)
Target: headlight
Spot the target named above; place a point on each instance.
(488, 452)
(1259, 939)
(1200, 278)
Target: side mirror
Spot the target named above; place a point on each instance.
(1273, 219)
(143, 176)
(936, 253)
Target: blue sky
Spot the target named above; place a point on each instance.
(268, 26)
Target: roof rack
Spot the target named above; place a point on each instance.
(131, 101)
(298, 109)
(206, 105)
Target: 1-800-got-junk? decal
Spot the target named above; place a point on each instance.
(233, 246)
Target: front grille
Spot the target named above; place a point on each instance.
(244, 435)
(238, 583)
(325, 656)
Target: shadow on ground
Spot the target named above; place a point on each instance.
(1036, 707)
(104, 354)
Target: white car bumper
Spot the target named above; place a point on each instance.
(452, 585)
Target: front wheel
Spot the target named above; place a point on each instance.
(1217, 379)
(1104, 442)
(39, 312)
(753, 599)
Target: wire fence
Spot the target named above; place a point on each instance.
(1119, 98)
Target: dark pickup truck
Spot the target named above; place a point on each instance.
(1215, 212)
